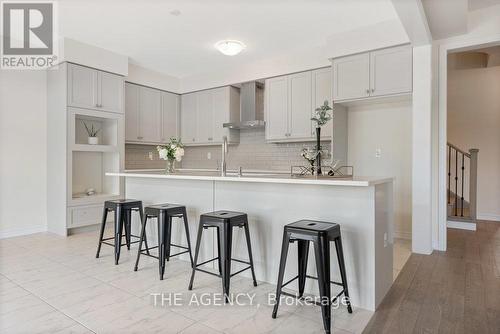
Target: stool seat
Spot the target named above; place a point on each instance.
(171, 209)
(315, 227)
(224, 216)
(123, 203)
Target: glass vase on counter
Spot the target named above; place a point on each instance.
(170, 167)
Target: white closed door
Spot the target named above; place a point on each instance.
(276, 92)
(169, 116)
(351, 77)
(188, 118)
(149, 115)
(82, 87)
(321, 92)
(300, 105)
(110, 91)
(391, 71)
(131, 112)
(220, 113)
(205, 116)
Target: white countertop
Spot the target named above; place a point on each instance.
(269, 177)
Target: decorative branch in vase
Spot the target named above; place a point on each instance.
(323, 114)
(92, 133)
(172, 152)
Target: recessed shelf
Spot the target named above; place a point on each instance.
(94, 148)
(107, 128)
(82, 198)
(88, 172)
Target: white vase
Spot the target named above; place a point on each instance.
(93, 140)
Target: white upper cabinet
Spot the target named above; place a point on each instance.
(351, 77)
(203, 114)
(290, 104)
(132, 113)
(391, 71)
(170, 116)
(189, 117)
(150, 115)
(378, 73)
(299, 115)
(92, 89)
(110, 92)
(82, 87)
(276, 92)
(321, 92)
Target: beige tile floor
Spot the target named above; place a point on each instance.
(51, 284)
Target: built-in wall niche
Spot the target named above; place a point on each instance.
(88, 173)
(106, 129)
(106, 124)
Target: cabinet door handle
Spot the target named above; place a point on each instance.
(210, 138)
(373, 90)
(367, 91)
(193, 139)
(140, 137)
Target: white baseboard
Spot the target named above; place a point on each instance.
(402, 235)
(488, 216)
(461, 225)
(16, 232)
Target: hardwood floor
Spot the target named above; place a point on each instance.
(457, 291)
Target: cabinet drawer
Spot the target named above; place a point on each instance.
(85, 215)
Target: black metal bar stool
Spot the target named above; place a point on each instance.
(223, 221)
(320, 234)
(164, 214)
(123, 219)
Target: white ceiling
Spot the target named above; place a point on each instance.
(147, 32)
(479, 4)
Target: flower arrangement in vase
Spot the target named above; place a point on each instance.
(171, 152)
(322, 116)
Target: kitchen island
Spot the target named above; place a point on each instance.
(362, 206)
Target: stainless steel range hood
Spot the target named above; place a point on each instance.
(251, 107)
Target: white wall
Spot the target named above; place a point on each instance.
(150, 78)
(474, 122)
(385, 126)
(422, 176)
(23, 152)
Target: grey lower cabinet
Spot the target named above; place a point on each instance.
(151, 115)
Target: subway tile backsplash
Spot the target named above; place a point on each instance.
(253, 152)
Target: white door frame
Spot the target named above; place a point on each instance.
(446, 47)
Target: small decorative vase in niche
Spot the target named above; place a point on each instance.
(93, 140)
(170, 166)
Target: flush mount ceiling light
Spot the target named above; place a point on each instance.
(230, 47)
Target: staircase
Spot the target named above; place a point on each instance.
(462, 187)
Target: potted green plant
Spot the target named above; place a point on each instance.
(323, 114)
(92, 133)
(172, 152)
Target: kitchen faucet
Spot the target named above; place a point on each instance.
(224, 151)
